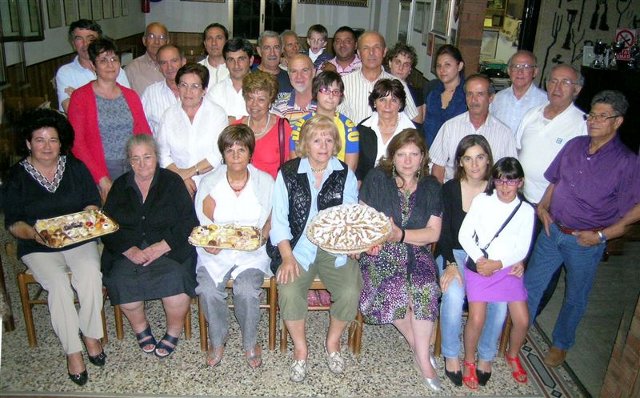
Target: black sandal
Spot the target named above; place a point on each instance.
(144, 341)
(162, 346)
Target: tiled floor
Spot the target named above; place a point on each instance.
(615, 291)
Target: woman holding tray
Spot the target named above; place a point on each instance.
(314, 181)
(399, 277)
(149, 257)
(234, 193)
(50, 182)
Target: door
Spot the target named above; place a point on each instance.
(251, 17)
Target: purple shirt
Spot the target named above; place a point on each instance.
(591, 191)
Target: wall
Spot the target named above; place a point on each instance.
(56, 41)
(181, 16)
(591, 22)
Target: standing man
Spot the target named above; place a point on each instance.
(269, 49)
(214, 37)
(297, 103)
(238, 56)
(344, 47)
(161, 95)
(80, 71)
(477, 120)
(359, 84)
(144, 70)
(510, 104)
(591, 186)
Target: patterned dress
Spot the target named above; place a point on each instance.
(402, 272)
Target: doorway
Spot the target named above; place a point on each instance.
(252, 17)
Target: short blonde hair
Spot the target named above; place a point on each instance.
(316, 125)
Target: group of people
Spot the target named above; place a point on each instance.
(217, 142)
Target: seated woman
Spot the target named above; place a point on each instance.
(474, 161)
(315, 181)
(104, 115)
(49, 182)
(149, 257)
(399, 277)
(235, 193)
(496, 234)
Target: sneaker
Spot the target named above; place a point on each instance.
(335, 362)
(298, 370)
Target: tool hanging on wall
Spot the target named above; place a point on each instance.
(594, 17)
(571, 18)
(603, 18)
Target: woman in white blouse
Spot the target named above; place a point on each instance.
(234, 193)
(189, 130)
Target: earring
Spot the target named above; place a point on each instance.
(419, 174)
(393, 170)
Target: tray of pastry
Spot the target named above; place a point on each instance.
(226, 236)
(349, 229)
(58, 232)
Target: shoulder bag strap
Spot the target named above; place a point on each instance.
(513, 213)
(281, 142)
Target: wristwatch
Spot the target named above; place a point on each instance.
(602, 236)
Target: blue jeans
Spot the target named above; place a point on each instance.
(580, 265)
(451, 317)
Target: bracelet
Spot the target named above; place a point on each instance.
(402, 238)
(602, 236)
(452, 264)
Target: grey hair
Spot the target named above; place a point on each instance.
(140, 139)
(269, 33)
(615, 98)
(523, 52)
(579, 77)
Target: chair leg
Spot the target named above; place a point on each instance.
(437, 346)
(355, 335)
(187, 324)
(272, 299)
(26, 309)
(117, 314)
(504, 337)
(202, 322)
(105, 339)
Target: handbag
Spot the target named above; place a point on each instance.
(281, 140)
(470, 263)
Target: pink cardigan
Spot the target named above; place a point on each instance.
(83, 115)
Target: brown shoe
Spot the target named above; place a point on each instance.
(555, 357)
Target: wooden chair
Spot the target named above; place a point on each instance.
(25, 278)
(117, 314)
(504, 337)
(271, 304)
(354, 339)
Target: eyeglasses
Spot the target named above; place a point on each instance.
(599, 117)
(506, 181)
(522, 67)
(146, 159)
(317, 41)
(152, 36)
(107, 60)
(187, 86)
(328, 91)
(564, 82)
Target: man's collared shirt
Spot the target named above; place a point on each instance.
(143, 72)
(285, 106)
(224, 94)
(216, 73)
(510, 110)
(443, 150)
(156, 99)
(355, 65)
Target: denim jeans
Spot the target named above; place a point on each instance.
(580, 265)
(451, 317)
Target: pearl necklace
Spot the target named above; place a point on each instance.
(238, 190)
(266, 126)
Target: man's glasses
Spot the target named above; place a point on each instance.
(526, 67)
(564, 82)
(601, 117)
(152, 36)
(507, 181)
(328, 91)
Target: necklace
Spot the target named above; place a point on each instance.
(237, 190)
(266, 126)
(322, 170)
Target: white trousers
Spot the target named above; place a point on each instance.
(50, 270)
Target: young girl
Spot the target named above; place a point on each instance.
(496, 234)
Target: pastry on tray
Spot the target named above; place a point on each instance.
(229, 236)
(58, 232)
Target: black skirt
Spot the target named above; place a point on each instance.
(127, 282)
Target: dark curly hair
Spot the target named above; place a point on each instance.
(43, 117)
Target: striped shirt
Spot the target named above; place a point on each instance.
(156, 99)
(352, 67)
(443, 150)
(347, 131)
(510, 110)
(356, 96)
(285, 106)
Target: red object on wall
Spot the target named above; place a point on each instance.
(146, 6)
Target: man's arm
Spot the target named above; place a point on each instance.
(438, 172)
(543, 208)
(591, 238)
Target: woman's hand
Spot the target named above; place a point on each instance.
(288, 271)
(104, 186)
(191, 186)
(136, 255)
(396, 232)
(517, 270)
(212, 250)
(450, 273)
(156, 251)
(487, 267)
(374, 251)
